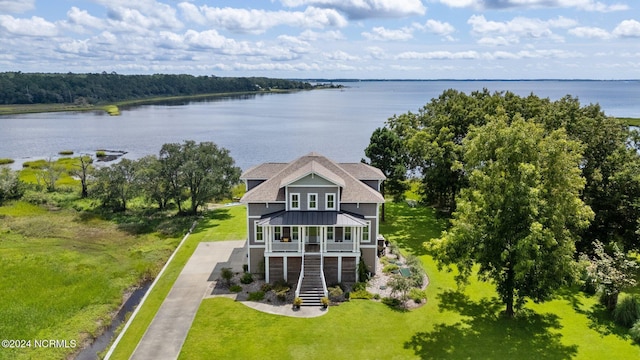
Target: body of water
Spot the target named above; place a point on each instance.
(275, 127)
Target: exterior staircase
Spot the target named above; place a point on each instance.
(311, 289)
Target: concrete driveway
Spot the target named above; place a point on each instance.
(168, 330)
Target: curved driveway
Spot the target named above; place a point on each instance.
(168, 330)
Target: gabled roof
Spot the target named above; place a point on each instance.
(347, 176)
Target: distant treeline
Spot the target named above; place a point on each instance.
(49, 88)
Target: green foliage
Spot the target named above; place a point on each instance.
(297, 301)
(235, 288)
(363, 271)
(246, 278)
(266, 287)
(359, 286)
(116, 185)
(388, 269)
(635, 331)
(392, 302)
(386, 152)
(360, 294)
(627, 311)
(335, 293)
(6, 161)
(110, 87)
(65, 152)
(10, 185)
(256, 296)
(516, 216)
(227, 275)
(101, 153)
(400, 287)
(417, 295)
(610, 273)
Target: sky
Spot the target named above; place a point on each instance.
(306, 39)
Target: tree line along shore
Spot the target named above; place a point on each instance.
(45, 92)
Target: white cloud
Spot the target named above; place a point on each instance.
(16, 6)
(340, 55)
(509, 32)
(586, 5)
(439, 27)
(310, 35)
(258, 21)
(361, 9)
(376, 52)
(35, 26)
(627, 28)
(76, 46)
(83, 18)
(590, 32)
(438, 55)
(147, 14)
(379, 33)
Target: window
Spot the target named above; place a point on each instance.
(365, 233)
(277, 233)
(259, 233)
(331, 201)
(312, 201)
(295, 201)
(347, 234)
(330, 233)
(295, 233)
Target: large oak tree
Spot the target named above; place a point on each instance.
(519, 216)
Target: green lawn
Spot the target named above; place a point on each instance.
(64, 272)
(454, 324)
(227, 223)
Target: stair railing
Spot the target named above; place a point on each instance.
(300, 278)
(324, 282)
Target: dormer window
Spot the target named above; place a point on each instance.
(312, 201)
(331, 201)
(295, 201)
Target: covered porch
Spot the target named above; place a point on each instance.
(313, 232)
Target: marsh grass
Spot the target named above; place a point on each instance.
(6, 161)
(64, 274)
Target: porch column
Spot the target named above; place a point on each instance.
(339, 258)
(266, 269)
(303, 237)
(267, 238)
(284, 267)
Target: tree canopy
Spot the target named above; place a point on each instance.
(518, 218)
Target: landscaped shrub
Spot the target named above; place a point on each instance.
(627, 312)
(359, 286)
(246, 278)
(266, 287)
(335, 293)
(256, 296)
(235, 288)
(281, 289)
(391, 302)
(390, 268)
(384, 260)
(417, 295)
(363, 271)
(361, 294)
(635, 331)
(227, 275)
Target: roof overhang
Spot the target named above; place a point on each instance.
(312, 218)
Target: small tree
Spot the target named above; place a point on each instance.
(49, 174)
(10, 185)
(400, 287)
(227, 275)
(81, 170)
(611, 273)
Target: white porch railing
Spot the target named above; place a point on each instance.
(280, 246)
(350, 246)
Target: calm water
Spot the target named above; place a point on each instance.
(275, 127)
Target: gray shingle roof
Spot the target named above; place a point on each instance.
(347, 176)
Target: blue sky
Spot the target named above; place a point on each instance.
(394, 39)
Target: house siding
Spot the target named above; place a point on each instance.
(253, 183)
(321, 199)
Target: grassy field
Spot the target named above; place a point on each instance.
(454, 324)
(64, 272)
(227, 223)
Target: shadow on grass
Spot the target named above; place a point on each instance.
(484, 334)
(212, 219)
(410, 227)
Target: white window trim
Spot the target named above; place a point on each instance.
(279, 231)
(295, 233)
(326, 201)
(344, 233)
(291, 195)
(309, 201)
(368, 239)
(256, 232)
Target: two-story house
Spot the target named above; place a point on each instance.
(312, 220)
